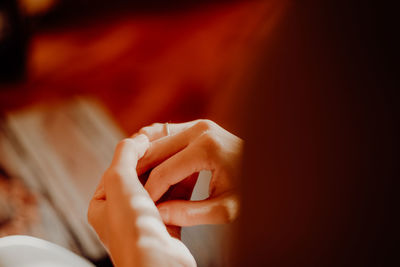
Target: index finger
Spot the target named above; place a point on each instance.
(159, 130)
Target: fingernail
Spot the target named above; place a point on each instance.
(164, 214)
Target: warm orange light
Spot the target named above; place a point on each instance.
(34, 7)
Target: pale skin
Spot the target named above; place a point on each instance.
(135, 230)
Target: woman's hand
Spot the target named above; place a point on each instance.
(126, 218)
(189, 148)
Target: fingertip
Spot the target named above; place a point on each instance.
(190, 213)
(164, 213)
(174, 212)
(142, 142)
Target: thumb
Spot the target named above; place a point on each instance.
(129, 151)
(218, 210)
(121, 176)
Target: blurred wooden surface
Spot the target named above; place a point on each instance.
(174, 66)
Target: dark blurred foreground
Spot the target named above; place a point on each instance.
(322, 145)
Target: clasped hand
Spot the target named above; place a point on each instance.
(139, 225)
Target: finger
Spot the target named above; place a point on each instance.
(125, 156)
(173, 170)
(183, 190)
(121, 177)
(159, 130)
(153, 132)
(95, 216)
(222, 209)
(129, 151)
(164, 148)
(128, 203)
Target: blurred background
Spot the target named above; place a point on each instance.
(146, 61)
(140, 62)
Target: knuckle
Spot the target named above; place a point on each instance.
(182, 212)
(156, 124)
(210, 142)
(205, 125)
(114, 174)
(230, 208)
(145, 130)
(146, 243)
(124, 142)
(209, 148)
(148, 130)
